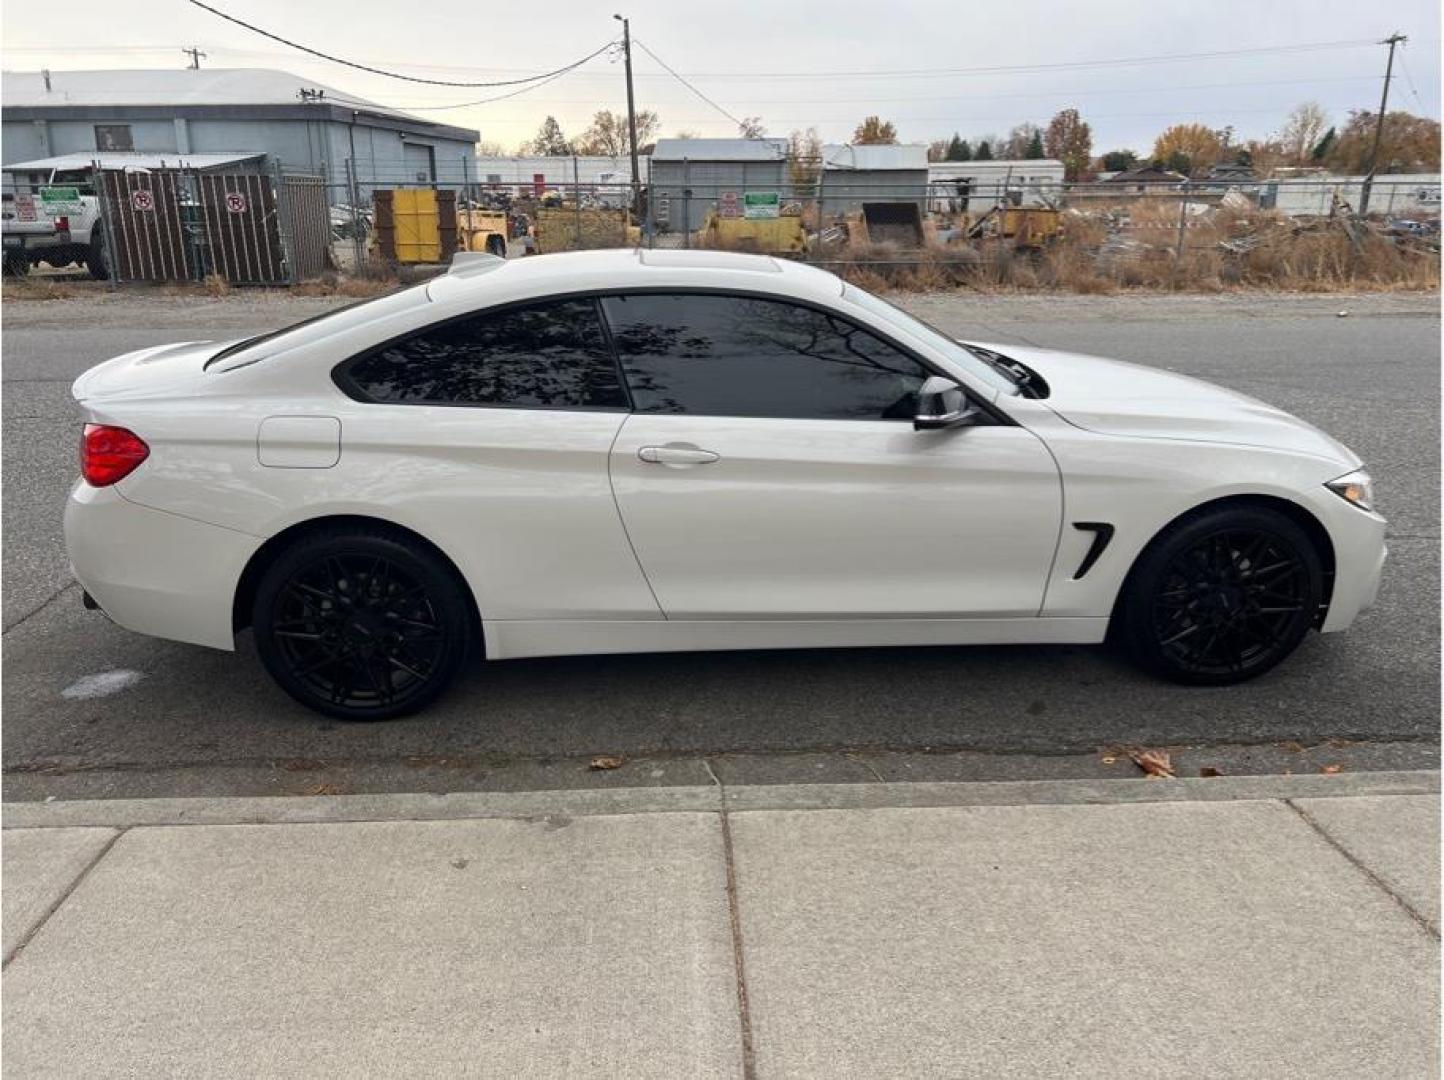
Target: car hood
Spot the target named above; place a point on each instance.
(1114, 397)
(159, 371)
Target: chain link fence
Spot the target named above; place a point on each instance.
(275, 226)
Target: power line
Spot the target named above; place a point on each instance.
(1028, 68)
(1152, 91)
(393, 74)
(1404, 67)
(459, 105)
(643, 46)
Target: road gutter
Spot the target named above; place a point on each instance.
(281, 810)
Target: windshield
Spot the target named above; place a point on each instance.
(305, 330)
(960, 354)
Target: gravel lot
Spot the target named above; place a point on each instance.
(197, 721)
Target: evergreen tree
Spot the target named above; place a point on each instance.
(985, 152)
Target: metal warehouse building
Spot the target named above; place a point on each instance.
(688, 175)
(302, 124)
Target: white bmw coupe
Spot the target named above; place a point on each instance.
(622, 451)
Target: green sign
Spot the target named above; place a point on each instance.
(61, 200)
(761, 204)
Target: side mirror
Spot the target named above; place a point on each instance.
(942, 403)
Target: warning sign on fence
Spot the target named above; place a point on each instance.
(761, 204)
(729, 205)
(235, 202)
(142, 200)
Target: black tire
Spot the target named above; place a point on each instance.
(496, 246)
(361, 624)
(95, 261)
(1220, 596)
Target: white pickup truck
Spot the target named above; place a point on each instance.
(56, 221)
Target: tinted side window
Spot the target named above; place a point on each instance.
(546, 356)
(740, 356)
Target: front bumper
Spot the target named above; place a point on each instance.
(1359, 554)
(155, 572)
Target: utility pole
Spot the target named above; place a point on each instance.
(631, 112)
(1392, 41)
(195, 54)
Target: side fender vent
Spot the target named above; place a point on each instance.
(1102, 533)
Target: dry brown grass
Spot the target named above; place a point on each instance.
(215, 286)
(335, 285)
(1090, 258)
(33, 289)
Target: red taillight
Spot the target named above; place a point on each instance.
(108, 454)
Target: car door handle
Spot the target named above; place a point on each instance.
(676, 455)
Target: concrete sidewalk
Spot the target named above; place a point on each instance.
(1267, 926)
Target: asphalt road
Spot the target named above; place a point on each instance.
(186, 720)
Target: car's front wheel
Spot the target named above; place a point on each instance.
(1221, 596)
(361, 625)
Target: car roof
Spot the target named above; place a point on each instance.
(629, 268)
(478, 283)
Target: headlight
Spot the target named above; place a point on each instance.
(1356, 487)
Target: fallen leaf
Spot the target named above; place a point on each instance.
(1330, 770)
(301, 765)
(606, 761)
(1209, 770)
(322, 789)
(1153, 762)
(1109, 759)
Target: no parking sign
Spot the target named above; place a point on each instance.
(235, 202)
(142, 200)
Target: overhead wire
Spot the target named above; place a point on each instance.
(1030, 68)
(394, 74)
(643, 46)
(1404, 67)
(458, 105)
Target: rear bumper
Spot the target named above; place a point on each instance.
(153, 572)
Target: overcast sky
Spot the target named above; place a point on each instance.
(798, 63)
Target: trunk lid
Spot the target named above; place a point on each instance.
(160, 371)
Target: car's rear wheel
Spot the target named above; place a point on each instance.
(361, 625)
(1222, 596)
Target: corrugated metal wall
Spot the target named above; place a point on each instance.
(707, 179)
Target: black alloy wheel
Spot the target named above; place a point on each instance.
(1222, 597)
(361, 626)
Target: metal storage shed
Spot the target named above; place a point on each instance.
(687, 176)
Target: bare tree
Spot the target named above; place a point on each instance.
(1302, 130)
(804, 157)
(609, 137)
(1018, 141)
(751, 128)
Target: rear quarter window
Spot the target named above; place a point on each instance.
(551, 355)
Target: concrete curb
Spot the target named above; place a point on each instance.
(298, 810)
